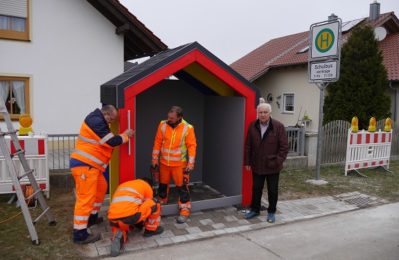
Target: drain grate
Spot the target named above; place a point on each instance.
(361, 202)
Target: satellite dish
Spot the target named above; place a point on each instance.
(380, 33)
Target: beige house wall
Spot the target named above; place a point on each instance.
(291, 80)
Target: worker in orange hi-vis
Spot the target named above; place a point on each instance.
(133, 206)
(174, 153)
(89, 160)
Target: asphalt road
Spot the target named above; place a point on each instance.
(371, 233)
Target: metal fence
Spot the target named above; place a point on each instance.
(296, 140)
(335, 134)
(60, 147)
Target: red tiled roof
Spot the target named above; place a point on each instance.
(390, 52)
(283, 51)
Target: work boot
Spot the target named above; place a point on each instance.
(149, 233)
(81, 236)
(117, 244)
(94, 219)
(181, 219)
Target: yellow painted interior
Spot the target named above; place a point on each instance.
(208, 79)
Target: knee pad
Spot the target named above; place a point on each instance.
(184, 194)
(163, 190)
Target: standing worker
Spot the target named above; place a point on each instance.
(89, 160)
(266, 149)
(174, 139)
(132, 206)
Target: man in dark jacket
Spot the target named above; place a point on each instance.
(266, 149)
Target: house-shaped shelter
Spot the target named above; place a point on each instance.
(216, 100)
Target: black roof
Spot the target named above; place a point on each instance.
(112, 92)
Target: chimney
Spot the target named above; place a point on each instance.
(374, 11)
(332, 17)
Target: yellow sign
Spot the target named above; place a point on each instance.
(325, 40)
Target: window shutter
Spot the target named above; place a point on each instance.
(17, 8)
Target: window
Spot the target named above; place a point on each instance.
(14, 20)
(15, 93)
(288, 103)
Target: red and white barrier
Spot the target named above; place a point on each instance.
(365, 150)
(37, 156)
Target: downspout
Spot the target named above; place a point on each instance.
(395, 101)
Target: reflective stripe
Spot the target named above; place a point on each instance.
(94, 212)
(153, 220)
(174, 152)
(126, 198)
(106, 138)
(155, 152)
(185, 206)
(79, 226)
(81, 217)
(96, 204)
(183, 135)
(170, 158)
(131, 190)
(87, 140)
(91, 157)
(155, 158)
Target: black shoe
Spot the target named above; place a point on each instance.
(148, 233)
(94, 220)
(116, 244)
(91, 238)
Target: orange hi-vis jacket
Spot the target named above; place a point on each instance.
(131, 197)
(172, 144)
(95, 142)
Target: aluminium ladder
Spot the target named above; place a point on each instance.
(28, 172)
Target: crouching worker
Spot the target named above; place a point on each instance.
(133, 206)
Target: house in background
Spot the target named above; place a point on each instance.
(279, 69)
(56, 54)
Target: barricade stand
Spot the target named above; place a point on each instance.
(36, 154)
(367, 149)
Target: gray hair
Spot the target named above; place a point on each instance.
(263, 104)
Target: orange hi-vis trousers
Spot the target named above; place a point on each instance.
(91, 187)
(151, 223)
(175, 172)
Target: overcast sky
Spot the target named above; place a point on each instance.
(232, 28)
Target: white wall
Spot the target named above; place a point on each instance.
(291, 80)
(73, 50)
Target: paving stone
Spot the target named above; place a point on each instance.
(218, 225)
(230, 218)
(179, 239)
(206, 228)
(193, 230)
(181, 226)
(179, 232)
(167, 233)
(106, 235)
(164, 241)
(103, 242)
(243, 222)
(133, 246)
(197, 213)
(150, 243)
(88, 250)
(137, 237)
(206, 221)
(104, 251)
(231, 230)
(219, 232)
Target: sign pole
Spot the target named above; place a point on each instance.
(321, 86)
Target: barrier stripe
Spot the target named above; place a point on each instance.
(41, 146)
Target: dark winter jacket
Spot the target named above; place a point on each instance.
(266, 155)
